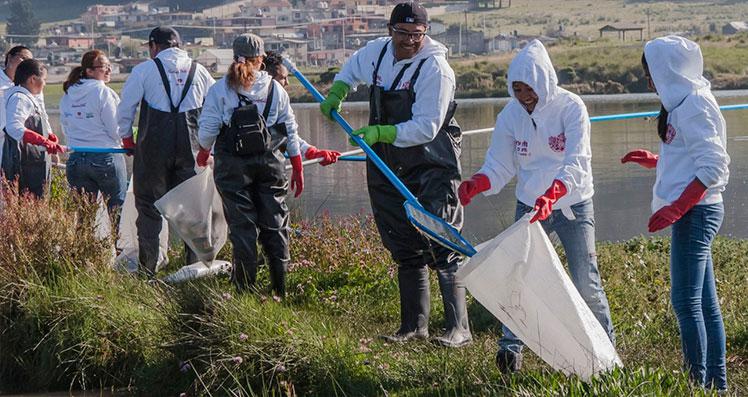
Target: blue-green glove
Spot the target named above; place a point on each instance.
(375, 133)
(338, 92)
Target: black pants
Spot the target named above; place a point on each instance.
(253, 189)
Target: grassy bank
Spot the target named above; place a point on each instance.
(69, 322)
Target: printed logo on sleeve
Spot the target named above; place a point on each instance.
(521, 148)
(557, 143)
(670, 134)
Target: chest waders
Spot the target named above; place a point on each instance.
(253, 187)
(164, 158)
(29, 164)
(431, 171)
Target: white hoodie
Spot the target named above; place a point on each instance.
(18, 108)
(434, 88)
(551, 143)
(222, 100)
(88, 114)
(5, 84)
(696, 142)
(145, 83)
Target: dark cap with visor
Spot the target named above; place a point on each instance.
(164, 35)
(409, 12)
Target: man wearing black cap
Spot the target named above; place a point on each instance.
(170, 89)
(411, 104)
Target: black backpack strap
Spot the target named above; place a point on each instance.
(379, 62)
(243, 100)
(165, 82)
(187, 84)
(269, 100)
(400, 76)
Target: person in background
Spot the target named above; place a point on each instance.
(28, 141)
(170, 89)
(13, 58)
(692, 172)
(273, 64)
(239, 112)
(411, 127)
(543, 137)
(89, 118)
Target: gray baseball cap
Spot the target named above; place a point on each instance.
(248, 45)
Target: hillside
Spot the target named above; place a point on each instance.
(57, 10)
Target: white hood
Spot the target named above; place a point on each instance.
(533, 67)
(260, 87)
(430, 47)
(175, 58)
(677, 67)
(85, 89)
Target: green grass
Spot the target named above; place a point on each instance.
(67, 321)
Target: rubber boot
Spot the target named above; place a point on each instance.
(457, 331)
(415, 300)
(244, 275)
(278, 276)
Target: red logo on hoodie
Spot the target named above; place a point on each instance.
(557, 143)
(670, 134)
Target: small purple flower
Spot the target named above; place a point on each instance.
(237, 360)
(183, 394)
(280, 368)
(184, 366)
(226, 296)
(243, 336)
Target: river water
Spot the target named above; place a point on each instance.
(622, 192)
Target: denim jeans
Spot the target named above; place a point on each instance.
(578, 239)
(694, 295)
(99, 172)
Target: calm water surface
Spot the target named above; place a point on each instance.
(622, 192)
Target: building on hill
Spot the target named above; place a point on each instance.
(621, 31)
(216, 60)
(460, 40)
(734, 28)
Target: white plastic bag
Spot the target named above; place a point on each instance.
(518, 277)
(195, 213)
(128, 237)
(198, 270)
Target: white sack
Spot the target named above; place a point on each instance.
(128, 236)
(519, 278)
(198, 270)
(195, 213)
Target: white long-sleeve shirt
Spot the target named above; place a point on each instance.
(695, 144)
(222, 100)
(434, 87)
(18, 108)
(88, 114)
(145, 83)
(551, 143)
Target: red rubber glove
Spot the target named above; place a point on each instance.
(328, 156)
(129, 144)
(297, 175)
(32, 138)
(202, 157)
(669, 214)
(644, 158)
(52, 137)
(544, 203)
(468, 189)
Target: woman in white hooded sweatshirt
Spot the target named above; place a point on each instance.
(89, 118)
(238, 114)
(692, 172)
(543, 137)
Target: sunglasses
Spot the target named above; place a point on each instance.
(415, 36)
(105, 67)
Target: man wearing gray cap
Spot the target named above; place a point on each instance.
(411, 104)
(170, 89)
(248, 120)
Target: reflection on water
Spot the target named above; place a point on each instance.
(622, 192)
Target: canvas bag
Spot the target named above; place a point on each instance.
(519, 278)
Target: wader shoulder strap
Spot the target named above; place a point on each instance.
(268, 101)
(167, 86)
(416, 73)
(379, 62)
(400, 76)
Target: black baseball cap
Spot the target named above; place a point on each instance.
(409, 12)
(164, 35)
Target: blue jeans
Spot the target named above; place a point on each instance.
(578, 239)
(99, 172)
(694, 295)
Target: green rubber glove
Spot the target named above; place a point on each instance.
(376, 133)
(338, 92)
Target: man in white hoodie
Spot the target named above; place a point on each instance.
(13, 58)
(170, 90)
(543, 137)
(411, 127)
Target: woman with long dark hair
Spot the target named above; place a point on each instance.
(692, 172)
(13, 58)
(238, 114)
(89, 118)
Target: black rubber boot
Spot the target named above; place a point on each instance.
(508, 361)
(415, 300)
(278, 277)
(457, 331)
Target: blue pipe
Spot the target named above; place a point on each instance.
(86, 149)
(625, 116)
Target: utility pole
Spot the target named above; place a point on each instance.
(93, 40)
(459, 44)
(649, 35)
